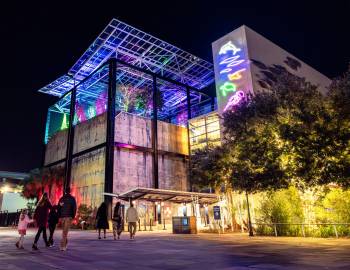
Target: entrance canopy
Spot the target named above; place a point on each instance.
(156, 195)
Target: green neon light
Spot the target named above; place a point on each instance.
(91, 112)
(227, 87)
(64, 124)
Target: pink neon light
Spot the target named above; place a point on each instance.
(234, 100)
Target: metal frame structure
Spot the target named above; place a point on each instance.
(133, 58)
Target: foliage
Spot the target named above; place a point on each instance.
(41, 180)
(84, 215)
(137, 100)
(210, 167)
(286, 134)
(334, 207)
(283, 206)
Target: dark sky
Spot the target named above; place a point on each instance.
(41, 42)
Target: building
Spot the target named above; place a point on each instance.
(10, 188)
(133, 108)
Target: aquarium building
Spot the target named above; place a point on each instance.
(133, 108)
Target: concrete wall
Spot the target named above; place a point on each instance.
(240, 61)
(132, 167)
(90, 133)
(135, 130)
(56, 147)
(172, 173)
(88, 174)
(263, 50)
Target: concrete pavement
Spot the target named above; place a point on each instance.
(162, 250)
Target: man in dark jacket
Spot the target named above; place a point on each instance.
(67, 211)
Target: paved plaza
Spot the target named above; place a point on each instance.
(163, 250)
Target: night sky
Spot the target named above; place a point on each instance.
(39, 43)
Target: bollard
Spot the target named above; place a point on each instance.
(139, 225)
(335, 231)
(144, 223)
(164, 224)
(274, 226)
(150, 225)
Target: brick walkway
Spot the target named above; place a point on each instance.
(154, 250)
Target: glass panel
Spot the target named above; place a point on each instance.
(90, 111)
(134, 92)
(91, 97)
(213, 126)
(57, 117)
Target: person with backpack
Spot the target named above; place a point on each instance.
(67, 210)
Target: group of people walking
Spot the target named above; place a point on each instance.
(48, 215)
(117, 220)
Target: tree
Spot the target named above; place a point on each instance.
(44, 179)
(137, 100)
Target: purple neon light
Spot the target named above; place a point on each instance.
(234, 100)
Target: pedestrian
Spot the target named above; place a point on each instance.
(102, 221)
(117, 221)
(40, 216)
(67, 208)
(132, 217)
(23, 222)
(53, 220)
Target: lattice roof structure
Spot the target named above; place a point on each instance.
(139, 49)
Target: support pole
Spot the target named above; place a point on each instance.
(189, 115)
(109, 161)
(155, 134)
(70, 142)
(250, 227)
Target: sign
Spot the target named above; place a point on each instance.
(217, 215)
(232, 70)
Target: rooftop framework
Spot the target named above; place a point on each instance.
(140, 50)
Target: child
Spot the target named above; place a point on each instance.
(53, 220)
(23, 222)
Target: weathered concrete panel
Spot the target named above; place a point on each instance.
(88, 177)
(172, 173)
(134, 130)
(89, 133)
(131, 169)
(172, 138)
(56, 147)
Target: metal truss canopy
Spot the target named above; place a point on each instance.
(141, 50)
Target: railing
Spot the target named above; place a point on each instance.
(9, 218)
(303, 229)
